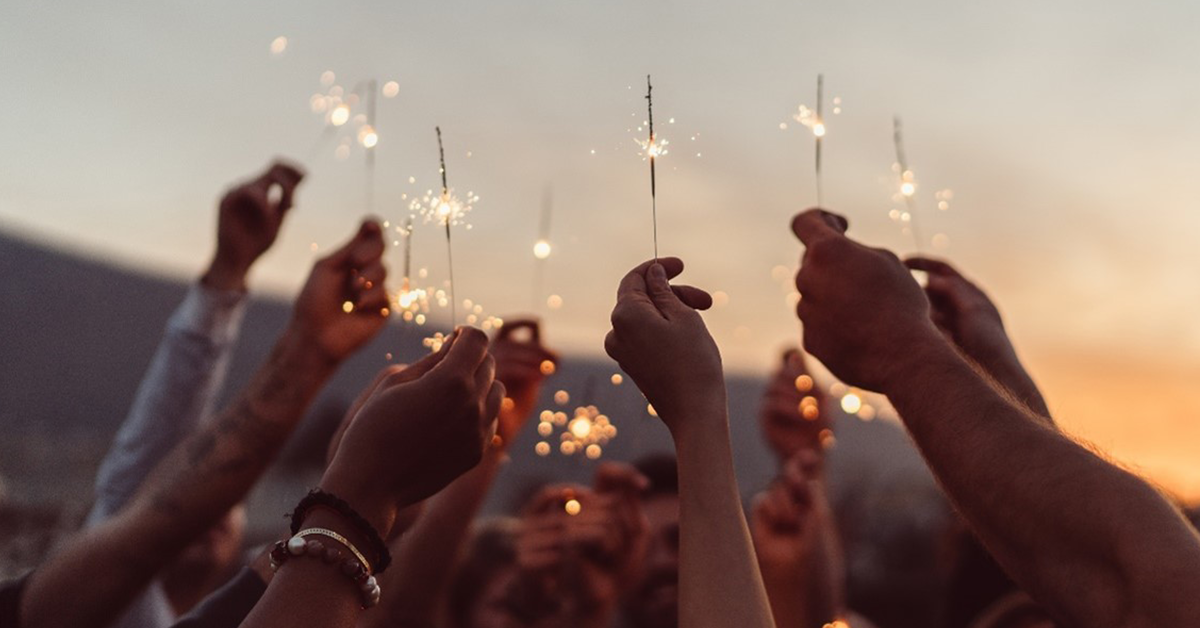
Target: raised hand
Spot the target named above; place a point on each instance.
(659, 339)
(798, 551)
(421, 427)
(248, 223)
(971, 320)
(520, 355)
(344, 304)
(786, 518)
(864, 315)
(787, 427)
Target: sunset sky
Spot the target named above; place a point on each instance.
(1068, 134)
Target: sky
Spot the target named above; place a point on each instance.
(1066, 131)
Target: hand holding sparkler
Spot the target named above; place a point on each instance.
(344, 303)
(972, 321)
(864, 315)
(446, 404)
(249, 219)
(522, 364)
(659, 339)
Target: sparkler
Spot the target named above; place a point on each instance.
(819, 133)
(653, 149)
(814, 120)
(542, 248)
(449, 210)
(410, 301)
(586, 432)
(369, 139)
(908, 184)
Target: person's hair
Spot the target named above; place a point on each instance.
(491, 549)
(661, 470)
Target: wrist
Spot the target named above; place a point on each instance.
(225, 275)
(908, 360)
(378, 509)
(303, 344)
(701, 415)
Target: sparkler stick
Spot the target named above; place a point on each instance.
(447, 220)
(908, 186)
(819, 132)
(542, 248)
(370, 138)
(650, 151)
(408, 231)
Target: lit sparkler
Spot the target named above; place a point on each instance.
(653, 148)
(369, 139)
(410, 301)
(814, 120)
(542, 248)
(448, 210)
(908, 183)
(587, 431)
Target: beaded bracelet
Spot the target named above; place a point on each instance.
(297, 546)
(378, 550)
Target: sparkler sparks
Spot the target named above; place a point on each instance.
(653, 148)
(587, 431)
(907, 191)
(542, 248)
(814, 120)
(448, 210)
(908, 183)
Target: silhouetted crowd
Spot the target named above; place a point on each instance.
(1044, 532)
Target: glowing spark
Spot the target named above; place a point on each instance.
(572, 507)
(367, 136)
(851, 403)
(340, 115)
(278, 45)
(908, 183)
(541, 249)
(391, 89)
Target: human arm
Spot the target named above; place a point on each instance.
(1094, 544)
(795, 539)
(427, 553)
(189, 366)
(659, 339)
(205, 475)
(965, 314)
(421, 428)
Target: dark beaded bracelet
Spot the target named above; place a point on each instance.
(379, 554)
(296, 546)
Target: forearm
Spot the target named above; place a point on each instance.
(806, 595)
(1084, 537)
(426, 554)
(719, 581)
(187, 493)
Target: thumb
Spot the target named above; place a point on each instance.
(660, 291)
